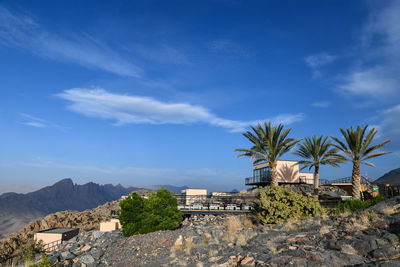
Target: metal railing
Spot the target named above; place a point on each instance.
(260, 180)
(346, 180)
(52, 245)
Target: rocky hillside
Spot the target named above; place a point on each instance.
(84, 220)
(392, 177)
(365, 238)
(17, 210)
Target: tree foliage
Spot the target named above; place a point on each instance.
(358, 150)
(317, 151)
(158, 211)
(269, 144)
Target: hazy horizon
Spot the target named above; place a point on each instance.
(159, 92)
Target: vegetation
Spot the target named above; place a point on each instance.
(358, 150)
(278, 205)
(144, 215)
(351, 205)
(356, 204)
(269, 144)
(378, 199)
(318, 151)
(31, 249)
(44, 262)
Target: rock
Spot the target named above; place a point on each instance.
(87, 259)
(67, 255)
(385, 252)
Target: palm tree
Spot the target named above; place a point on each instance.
(269, 144)
(317, 151)
(357, 150)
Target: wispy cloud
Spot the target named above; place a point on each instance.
(389, 127)
(19, 30)
(322, 104)
(33, 121)
(316, 61)
(227, 46)
(125, 109)
(376, 74)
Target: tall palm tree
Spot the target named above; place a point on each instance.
(357, 148)
(318, 151)
(269, 144)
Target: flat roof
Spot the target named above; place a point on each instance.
(58, 230)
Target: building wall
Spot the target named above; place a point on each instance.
(288, 172)
(47, 238)
(112, 225)
(191, 195)
(307, 177)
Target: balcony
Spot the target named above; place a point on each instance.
(262, 180)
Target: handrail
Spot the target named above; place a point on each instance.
(346, 180)
(52, 245)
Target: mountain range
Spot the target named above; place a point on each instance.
(17, 210)
(392, 177)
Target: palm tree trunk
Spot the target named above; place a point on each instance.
(316, 179)
(274, 173)
(356, 187)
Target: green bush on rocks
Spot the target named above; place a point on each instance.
(140, 215)
(278, 205)
(357, 204)
(44, 262)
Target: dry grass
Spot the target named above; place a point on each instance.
(291, 226)
(212, 253)
(347, 249)
(247, 223)
(241, 240)
(389, 211)
(188, 245)
(233, 224)
(325, 229)
(207, 238)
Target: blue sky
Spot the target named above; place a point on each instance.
(159, 92)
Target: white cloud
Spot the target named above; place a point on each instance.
(125, 109)
(33, 121)
(389, 126)
(24, 32)
(320, 59)
(322, 104)
(377, 72)
(315, 62)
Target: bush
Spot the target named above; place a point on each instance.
(278, 205)
(31, 249)
(357, 204)
(377, 199)
(44, 262)
(351, 205)
(158, 212)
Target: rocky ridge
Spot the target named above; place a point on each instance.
(365, 238)
(84, 220)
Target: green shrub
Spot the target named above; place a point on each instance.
(377, 199)
(44, 262)
(278, 205)
(158, 212)
(31, 249)
(351, 205)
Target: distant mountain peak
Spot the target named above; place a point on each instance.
(392, 177)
